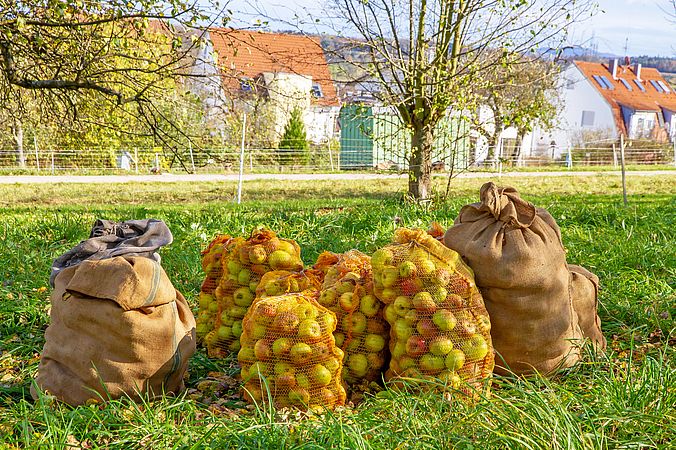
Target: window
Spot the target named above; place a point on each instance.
(627, 85)
(608, 84)
(316, 91)
(587, 119)
(599, 81)
(640, 86)
(664, 86)
(657, 87)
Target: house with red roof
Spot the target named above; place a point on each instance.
(288, 70)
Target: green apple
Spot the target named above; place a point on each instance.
(475, 347)
(407, 269)
(258, 370)
(455, 359)
(332, 364)
(205, 300)
(339, 338)
(253, 283)
(356, 322)
(411, 317)
(287, 247)
(375, 360)
(406, 362)
(257, 254)
(279, 259)
(243, 296)
(344, 287)
(483, 323)
(237, 329)
(426, 266)
(358, 364)
(402, 305)
(388, 295)
(244, 277)
(213, 307)
(320, 375)
(303, 380)
(234, 346)
(233, 266)
(246, 354)
(224, 332)
(390, 276)
(374, 342)
(381, 258)
(258, 331)
(431, 363)
(305, 310)
(286, 323)
(377, 326)
(441, 346)
(348, 302)
(201, 329)
(237, 312)
(398, 349)
(309, 330)
(300, 353)
(390, 314)
(225, 316)
(439, 294)
(444, 319)
(281, 346)
(322, 351)
(452, 379)
(427, 328)
(299, 396)
(354, 344)
(423, 302)
(282, 368)
(262, 350)
(402, 330)
(328, 322)
(328, 297)
(369, 305)
(266, 311)
(272, 289)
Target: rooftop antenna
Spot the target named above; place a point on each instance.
(626, 46)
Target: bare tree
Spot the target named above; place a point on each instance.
(429, 56)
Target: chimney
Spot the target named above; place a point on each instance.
(612, 67)
(637, 71)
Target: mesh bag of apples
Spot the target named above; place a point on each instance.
(289, 356)
(279, 282)
(243, 265)
(361, 331)
(440, 329)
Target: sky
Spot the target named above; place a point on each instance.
(642, 22)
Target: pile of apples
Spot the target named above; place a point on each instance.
(439, 326)
(243, 266)
(288, 350)
(361, 331)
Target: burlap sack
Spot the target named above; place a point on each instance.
(585, 290)
(117, 327)
(519, 262)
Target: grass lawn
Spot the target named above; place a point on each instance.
(626, 399)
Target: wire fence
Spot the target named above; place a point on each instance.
(328, 157)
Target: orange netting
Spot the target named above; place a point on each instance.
(361, 331)
(279, 282)
(440, 329)
(243, 265)
(211, 265)
(289, 355)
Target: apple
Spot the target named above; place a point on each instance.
(466, 325)
(475, 347)
(328, 297)
(411, 317)
(374, 342)
(377, 326)
(272, 289)
(305, 310)
(286, 323)
(355, 322)
(411, 286)
(234, 346)
(444, 319)
(442, 277)
(483, 323)
(401, 305)
(322, 351)
(237, 329)
(369, 305)
(388, 295)
(233, 266)
(454, 301)
(427, 328)
(244, 277)
(282, 368)
(253, 283)
(431, 363)
(402, 330)
(450, 378)
(407, 269)
(348, 302)
(243, 297)
(416, 346)
(258, 331)
(257, 254)
(344, 287)
(300, 353)
(398, 350)
(375, 360)
(353, 344)
(327, 397)
(460, 285)
(303, 380)
(358, 364)
(287, 247)
(237, 312)
(439, 294)
(282, 346)
(224, 332)
(390, 314)
(426, 266)
(257, 370)
(265, 312)
(285, 380)
(339, 338)
(279, 259)
(328, 322)
(455, 359)
(309, 330)
(332, 364)
(246, 354)
(440, 346)
(211, 338)
(213, 307)
(320, 375)
(423, 302)
(225, 316)
(205, 300)
(262, 350)
(406, 362)
(253, 393)
(201, 329)
(259, 269)
(299, 396)
(390, 276)
(381, 258)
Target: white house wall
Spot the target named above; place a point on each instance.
(320, 122)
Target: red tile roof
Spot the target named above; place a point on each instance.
(650, 100)
(244, 53)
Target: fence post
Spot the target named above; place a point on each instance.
(251, 161)
(241, 162)
(52, 162)
(192, 158)
(624, 182)
(331, 156)
(157, 163)
(569, 158)
(37, 157)
(614, 156)
(136, 159)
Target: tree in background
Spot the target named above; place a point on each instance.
(426, 55)
(293, 146)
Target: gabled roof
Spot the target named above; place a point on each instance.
(636, 99)
(248, 54)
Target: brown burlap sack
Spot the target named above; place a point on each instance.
(519, 262)
(118, 327)
(585, 291)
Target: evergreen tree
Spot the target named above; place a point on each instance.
(293, 148)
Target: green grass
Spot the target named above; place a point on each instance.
(626, 399)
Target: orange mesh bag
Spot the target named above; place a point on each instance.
(211, 265)
(288, 350)
(324, 262)
(361, 331)
(436, 231)
(439, 325)
(281, 282)
(243, 267)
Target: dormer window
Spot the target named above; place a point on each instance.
(316, 91)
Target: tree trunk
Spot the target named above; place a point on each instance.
(420, 162)
(17, 131)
